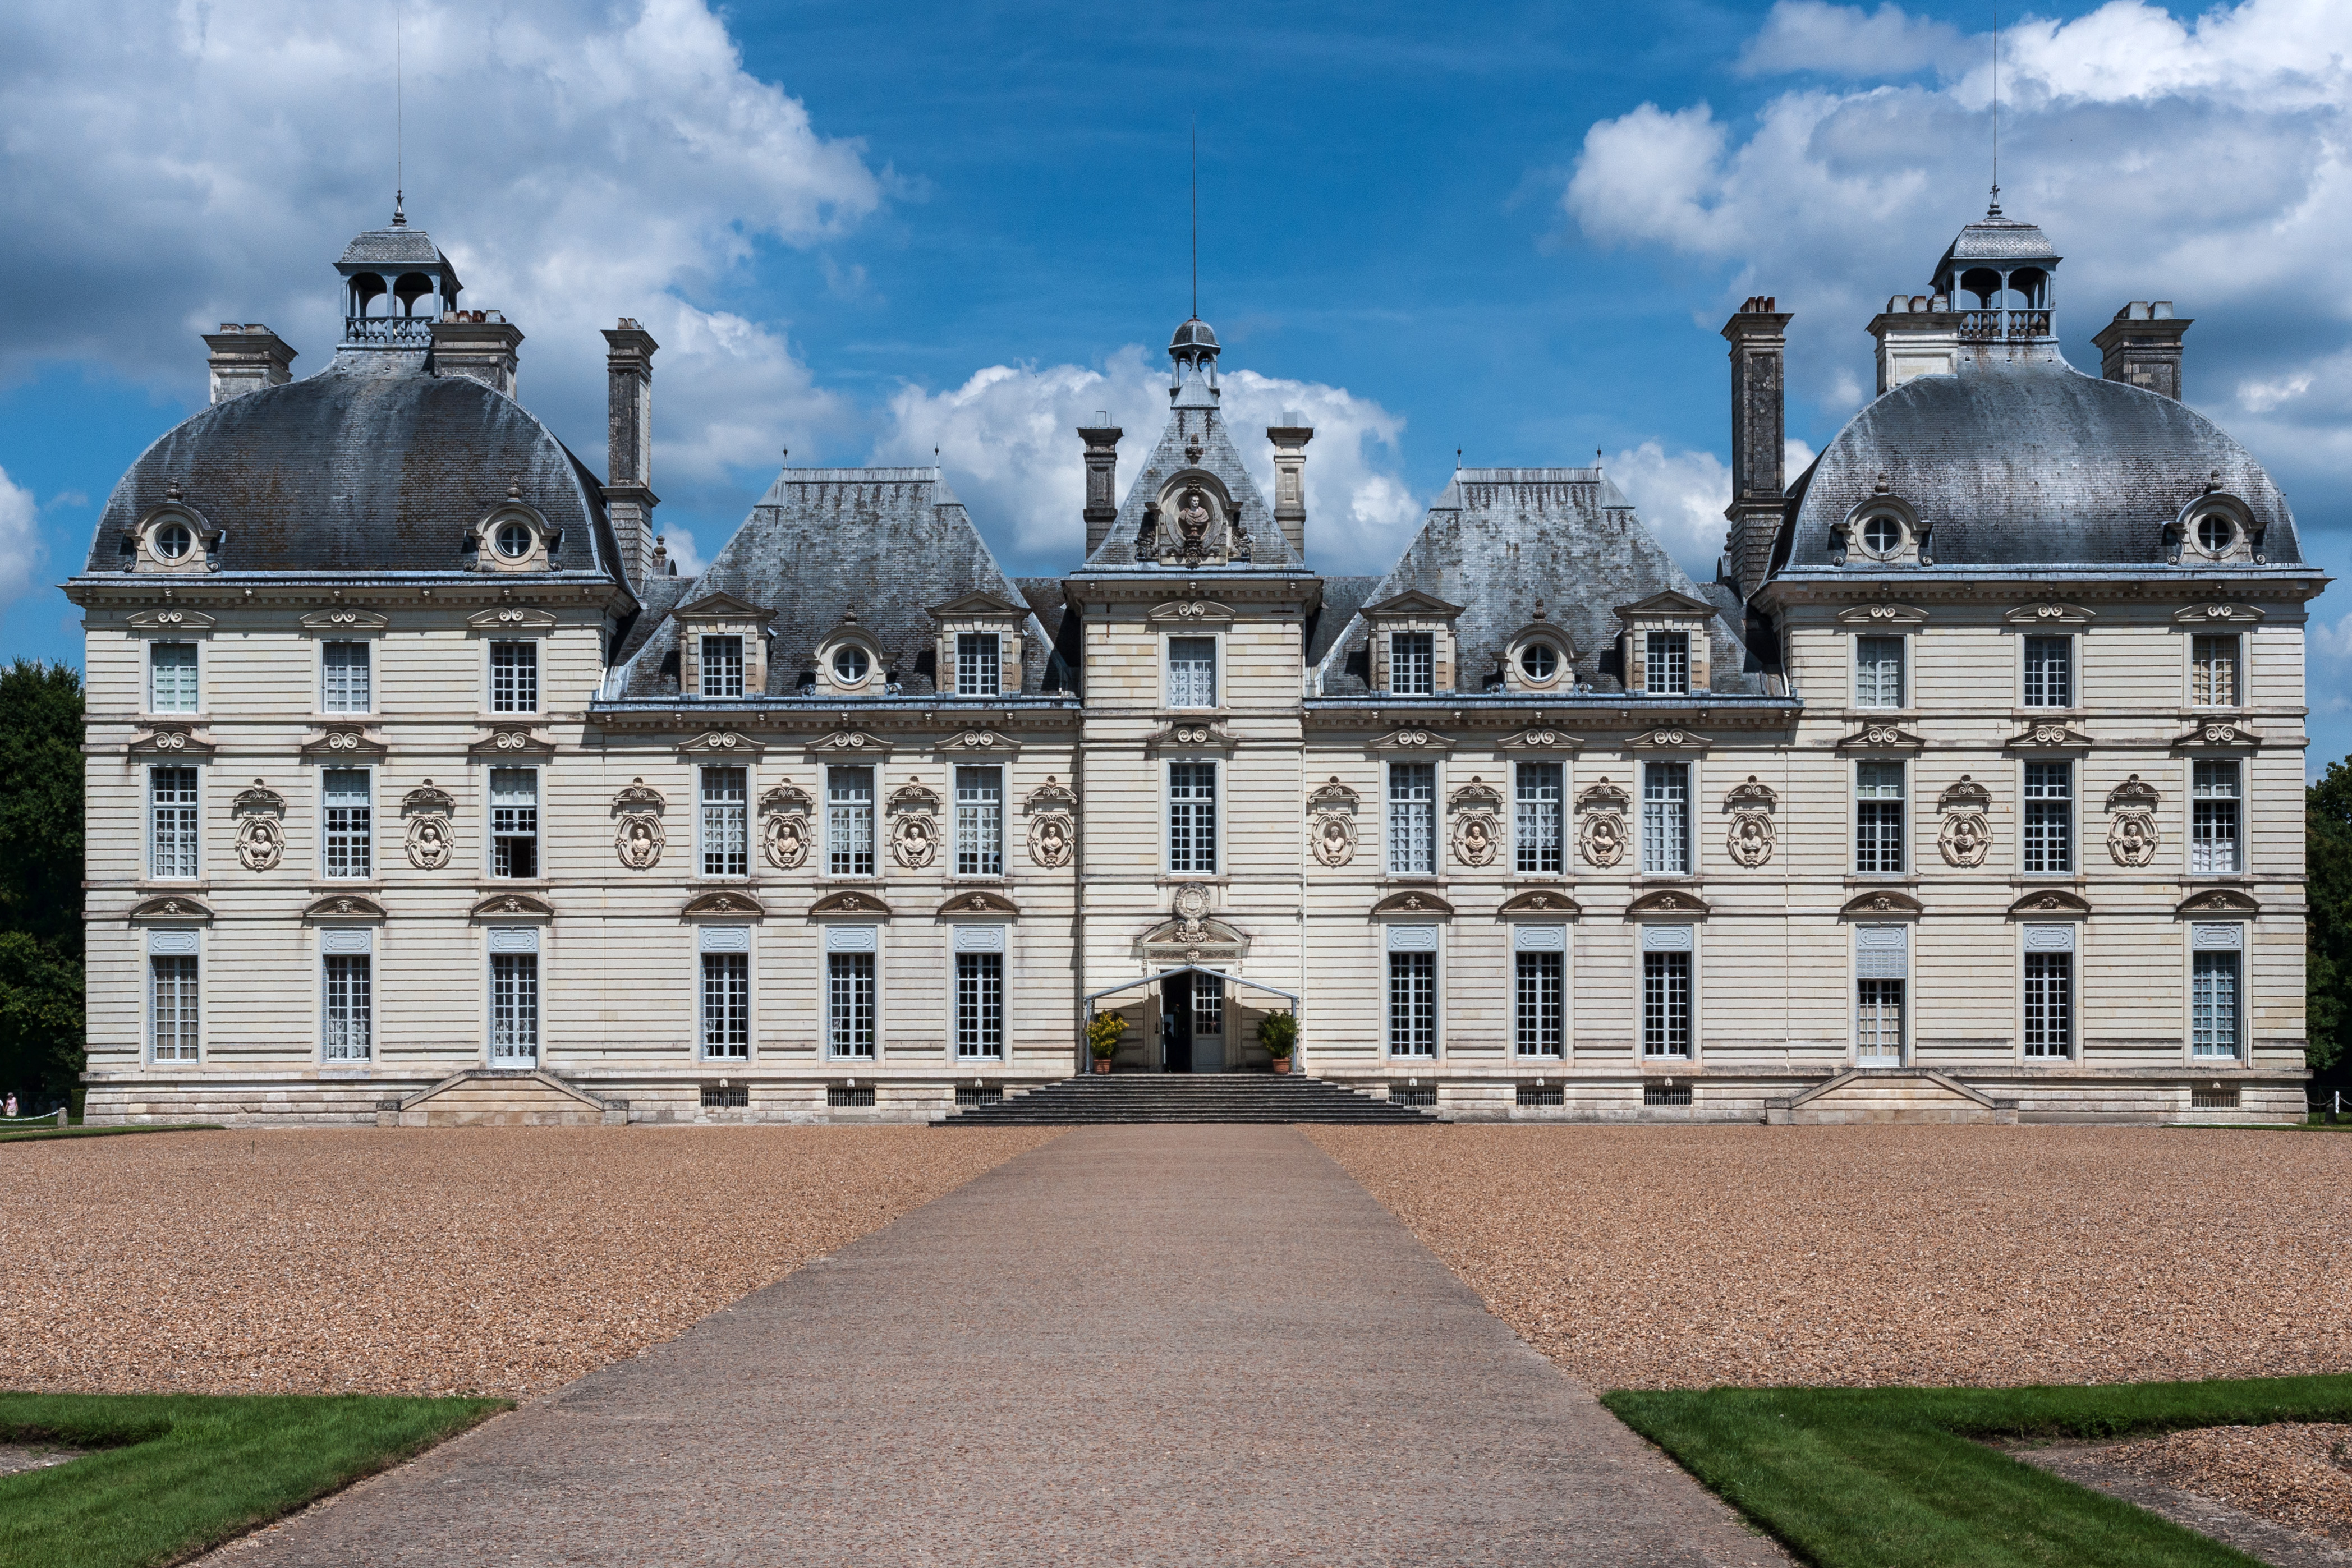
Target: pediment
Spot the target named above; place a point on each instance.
(979, 900)
(722, 606)
(344, 618)
(428, 799)
(1603, 796)
(512, 618)
(171, 619)
(510, 906)
(2218, 901)
(1414, 739)
(1881, 738)
(171, 740)
(720, 744)
(351, 743)
(259, 800)
(784, 798)
(1411, 602)
(979, 743)
(1669, 739)
(852, 900)
(914, 796)
(1882, 904)
(2133, 794)
(2218, 616)
(1542, 739)
(1181, 942)
(344, 906)
(1051, 795)
(518, 743)
(1865, 616)
(1679, 902)
(1552, 901)
(1476, 796)
(2233, 732)
(976, 603)
(2050, 613)
(638, 795)
(1191, 735)
(732, 903)
(2053, 736)
(849, 742)
(1966, 795)
(1333, 795)
(1666, 604)
(1193, 613)
(1415, 901)
(2049, 902)
(1750, 796)
(172, 906)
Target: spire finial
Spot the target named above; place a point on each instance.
(399, 125)
(1196, 217)
(1993, 211)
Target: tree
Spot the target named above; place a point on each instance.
(2327, 985)
(41, 1019)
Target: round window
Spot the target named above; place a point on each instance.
(172, 541)
(1882, 534)
(513, 540)
(2214, 533)
(1539, 660)
(849, 665)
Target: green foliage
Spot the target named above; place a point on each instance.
(40, 880)
(1103, 1032)
(2327, 975)
(1279, 1032)
(177, 1473)
(1891, 1478)
(133, 1129)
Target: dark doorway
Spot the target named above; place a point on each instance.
(1176, 1023)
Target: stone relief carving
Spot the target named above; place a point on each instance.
(785, 837)
(1331, 822)
(1967, 833)
(1193, 528)
(639, 839)
(1190, 907)
(259, 812)
(429, 809)
(915, 825)
(1052, 809)
(2131, 837)
(1750, 835)
(1601, 837)
(1477, 811)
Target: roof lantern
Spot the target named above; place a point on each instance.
(1997, 275)
(396, 284)
(1194, 349)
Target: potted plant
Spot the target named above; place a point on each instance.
(1279, 1032)
(1102, 1037)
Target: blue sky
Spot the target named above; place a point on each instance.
(862, 233)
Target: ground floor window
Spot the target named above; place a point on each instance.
(1878, 1022)
(727, 1004)
(514, 1008)
(849, 1004)
(1412, 1004)
(174, 979)
(2049, 1004)
(979, 1005)
(1540, 1011)
(2214, 1006)
(1665, 1004)
(350, 1006)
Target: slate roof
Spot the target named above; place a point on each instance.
(372, 465)
(888, 543)
(1342, 597)
(1194, 416)
(2030, 464)
(393, 248)
(1998, 239)
(1499, 539)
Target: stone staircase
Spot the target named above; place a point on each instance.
(1136, 1097)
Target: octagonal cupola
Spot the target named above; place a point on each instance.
(396, 284)
(1195, 351)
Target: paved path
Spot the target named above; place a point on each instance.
(1194, 1345)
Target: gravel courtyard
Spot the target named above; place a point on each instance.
(500, 1261)
(1679, 1257)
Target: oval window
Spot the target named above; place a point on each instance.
(2214, 533)
(514, 541)
(172, 541)
(849, 665)
(1882, 534)
(1539, 660)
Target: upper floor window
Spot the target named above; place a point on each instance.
(1878, 672)
(1412, 819)
(1413, 662)
(2213, 825)
(514, 821)
(1665, 663)
(1665, 818)
(514, 677)
(2050, 671)
(172, 677)
(1193, 816)
(722, 667)
(2213, 672)
(2049, 817)
(345, 685)
(347, 843)
(171, 826)
(849, 821)
(979, 821)
(1537, 837)
(979, 664)
(1878, 817)
(726, 827)
(1191, 672)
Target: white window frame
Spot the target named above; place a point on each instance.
(195, 674)
(978, 821)
(1690, 792)
(852, 942)
(841, 825)
(1527, 834)
(2050, 940)
(538, 834)
(722, 828)
(514, 941)
(2069, 820)
(2209, 811)
(2209, 941)
(980, 672)
(490, 695)
(1415, 943)
(1657, 648)
(1902, 646)
(192, 826)
(1216, 816)
(2074, 647)
(1866, 810)
(730, 945)
(1396, 818)
(2237, 644)
(327, 833)
(1539, 943)
(1177, 694)
(1882, 955)
(176, 944)
(341, 946)
(365, 649)
(981, 959)
(718, 666)
(1424, 675)
(1666, 941)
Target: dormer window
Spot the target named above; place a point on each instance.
(722, 667)
(850, 666)
(1538, 661)
(1412, 663)
(513, 537)
(172, 541)
(1665, 670)
(2215, 534)
(2216, 527)
(722, 645)
(173, 538)
(1665, 645)
(1881, 535)
(514, 541)
(979, 664)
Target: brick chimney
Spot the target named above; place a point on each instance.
(1758, 335)
(2141, 346)
(1102, 478)
(479, 345)
(629, 499)
(1290, 438)
(246, 359)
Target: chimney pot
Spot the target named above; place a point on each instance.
(1760, 340)
(479, 345)
(247, 358)
(629, 498)
(2142, 347)
(1102, 478)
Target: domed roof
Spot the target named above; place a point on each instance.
(372, 465)
(1194, 333)
(2012, 463)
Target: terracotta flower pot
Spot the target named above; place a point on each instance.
(1102, 1064)
(1282, 1064)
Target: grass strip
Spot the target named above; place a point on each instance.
(175, 1474)
(38, 1133)
(1890, 1477)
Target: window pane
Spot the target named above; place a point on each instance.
(849, 1003)
(514, 677)
(980, 668)
(1878, 817)
(1665, 818)
(726, 829)
(172, 678)
(979, 821)
(2213, 1005)
(1879, 1022)
(1412, 1004)
(2049, 672)
(849, 821)
(979, 1005)
(1540, 1019)
(727, 1004)
(1665, 1004)
(1191, 672)
(1878, 672)
(174, 1006)
(722, 667)
(350, 1006)
(2049, 816)
(1413, 662)
(348, 838)
(514, 1007)
(172, 829)
(1667, 656)
(1193, 816)
(2213, 819)
(2049, 1004)
(514, 821)
(346, 674)
(1537, 835)
(1412, 818)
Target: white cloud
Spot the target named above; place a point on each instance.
(1846, 40)
(1681, 495)
(21, 550)
(1008, 440)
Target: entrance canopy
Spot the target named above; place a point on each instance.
(1153, 979)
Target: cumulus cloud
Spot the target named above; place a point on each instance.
(579, 161)
(20, 540)
(1681, 497)
(1007, 438)
(1846, 40)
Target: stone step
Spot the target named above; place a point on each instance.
(1105, 1098)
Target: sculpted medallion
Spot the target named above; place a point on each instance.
(1750, 838)
(639, 839)
(1602, 838)
(1965, 839)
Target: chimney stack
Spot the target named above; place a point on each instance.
(246, 359)
(629, 499)
(1290, 438)
(1759, 340)
(2141, 346)
(479, 345)
(1102, 478)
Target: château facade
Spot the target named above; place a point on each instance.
(422, 788)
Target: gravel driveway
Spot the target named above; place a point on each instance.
(1682, 1257)
(498, 1260)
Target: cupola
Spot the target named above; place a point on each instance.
(1195, 351)
(396, 284)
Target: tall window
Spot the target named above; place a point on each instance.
(1665, 662)
(2050, 671)
(172, 677)
(2213, 672)
(2049, 817)
(979, 1005)
(1536, 836)
(514, 1007)
(721, 665)
(2049, 1004)
(1191, 672)
(1878, 1022)
(350, 1006)
(347, 845)
(979, 664)
(1412, 819)
(1412, 1004)
(2213, 825)
(1878, 672)
(173, 1006)
(172, 817)
(1541, 995)
(849, 821)
(1665, 818)
(1413, 662)
(725, 831)
(1878, 817)
(345, 686)
(2213, 1005)
(514, 677)
(979, 821)
(514, 821)
(1665, 1004)
(1193, 816)
(727, 1004)
(849, 1004)
(1208, 1006)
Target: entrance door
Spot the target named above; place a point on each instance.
(1176, 1023)
(1208, 1024)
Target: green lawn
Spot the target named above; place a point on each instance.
(176, 1473)
(1889, 1478)
(36, 1133)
